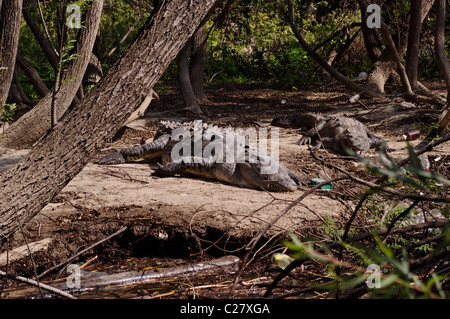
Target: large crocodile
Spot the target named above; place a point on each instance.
(340, 133)
(246, 169)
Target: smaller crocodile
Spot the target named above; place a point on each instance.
(339, 133)
(243, 173)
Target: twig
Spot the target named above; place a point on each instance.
(45, 27)
(401, 215)
(83, 251)
(37, 284)
(125, 36)
(251, 246)
(424, 149)
(298, 262)
(388, 190)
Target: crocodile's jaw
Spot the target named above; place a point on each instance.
(285, 185)
(354, 141)
(276, 182)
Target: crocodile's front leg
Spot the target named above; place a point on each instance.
(307, 137)
(376, 142)
(209, 170)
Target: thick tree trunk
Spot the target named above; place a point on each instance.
(34, 124)
(412, 57)
(441, 57)
(371, 41)
(9, 35)
(62, 154)
(94, 71)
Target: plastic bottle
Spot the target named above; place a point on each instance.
(281, 260)
(354, 98)
(412, 135)
(425, 162)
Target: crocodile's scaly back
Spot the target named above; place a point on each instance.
(300, 120)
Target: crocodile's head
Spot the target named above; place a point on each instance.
(282, 121)
(274, 179)
(354, 140)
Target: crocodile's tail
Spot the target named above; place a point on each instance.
(111, 158)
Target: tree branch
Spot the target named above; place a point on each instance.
(333, 72)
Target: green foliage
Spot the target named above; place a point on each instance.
(330, 229)
(257, 45)
(7, 113)
(414, 175)
(117, 19)
(396, 279)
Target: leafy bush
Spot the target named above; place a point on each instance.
(405, 266)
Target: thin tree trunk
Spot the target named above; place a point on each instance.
(441, 57)
(44, 43)
(412, 51)
(34, 124)
(197, 63)
(394, 56)
(184, 79)
(62, 154)
(9, 35)
(17, 93)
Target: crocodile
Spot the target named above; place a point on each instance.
(339, 133)
(239, 171)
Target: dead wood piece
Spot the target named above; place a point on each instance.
(37, 284)
(23, 251)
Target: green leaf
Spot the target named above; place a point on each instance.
(388, 280)
(353, 282)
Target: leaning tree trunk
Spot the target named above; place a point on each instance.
(11, 12)
(34, 124)
(44, 43)
(33, 75)
(16, 92)
(62, 154)
(327, 67)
